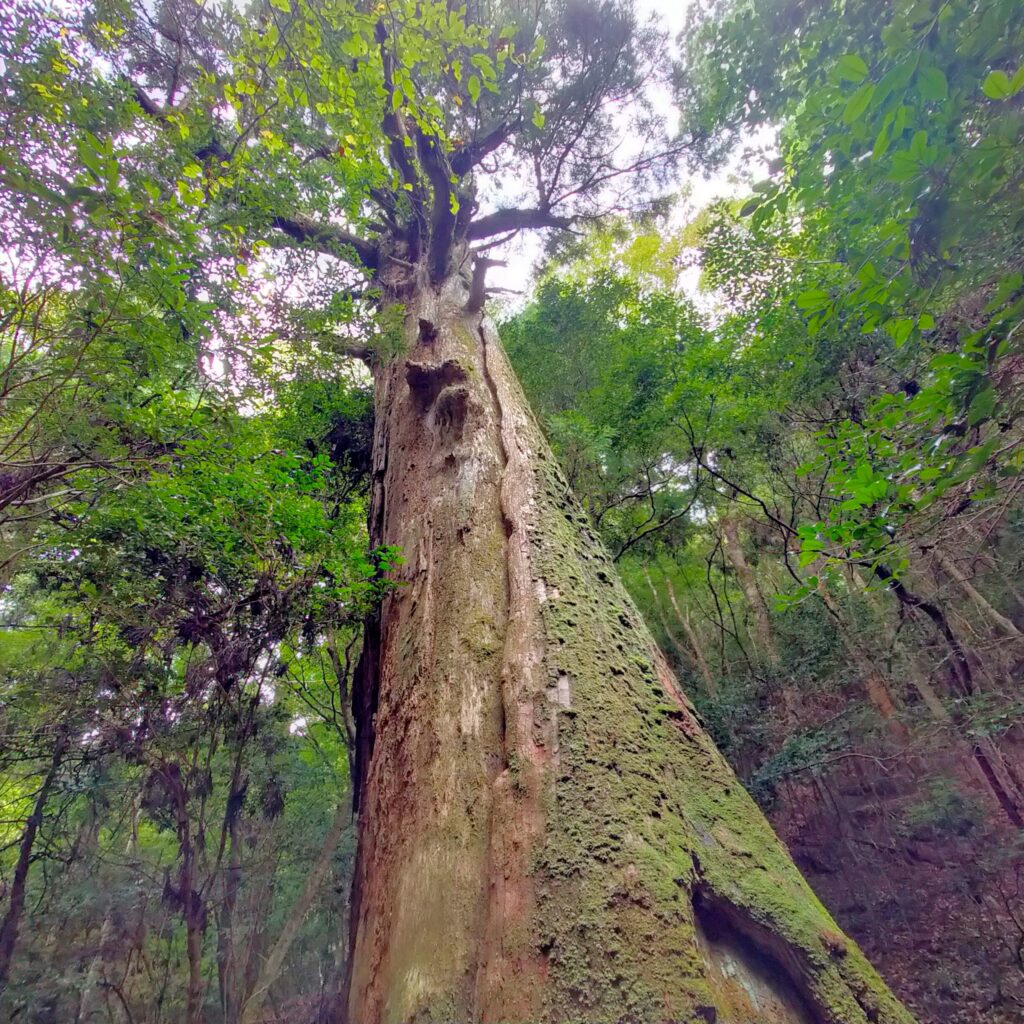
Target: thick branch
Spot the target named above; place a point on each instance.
(502, 221)
(328, 238)
(469, 156)
(478, 287)
(442, 216)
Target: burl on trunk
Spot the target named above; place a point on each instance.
(546, 833)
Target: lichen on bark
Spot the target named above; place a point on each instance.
(547, 832)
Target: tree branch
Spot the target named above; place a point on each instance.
(469, 156)
(328, 238)
(478, 287)
(442, 216)
(502, 221)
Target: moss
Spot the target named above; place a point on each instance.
(481, 636)
(644, 813)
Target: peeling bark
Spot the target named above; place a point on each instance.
(542, 817)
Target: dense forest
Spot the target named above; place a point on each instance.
(511, 512)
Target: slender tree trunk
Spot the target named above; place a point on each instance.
(194, 928)
(929, 697)
(683, 650)
(193, 906)
(16, 901)
(875, 686)
(274, 962)
(748, 584)
(987, 757)
(691, 635)
(546, 833)
(955, 573)
(91, 1007)
(227, 963)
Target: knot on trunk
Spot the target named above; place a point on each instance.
(427, 381)
(441, 395)
(450, 412)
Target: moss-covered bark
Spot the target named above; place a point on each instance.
(547, 834)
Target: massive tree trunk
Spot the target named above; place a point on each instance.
(546, 833)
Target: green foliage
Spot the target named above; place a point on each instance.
(809, 751)
(900, 184)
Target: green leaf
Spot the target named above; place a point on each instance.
(858, 103)
(899, 329)
(982, 406)
(473, 86)
(282, 5)
(852, 68)
(904, 166)
(997, 86)
(932, 84)
(881, 143)
(814, 299)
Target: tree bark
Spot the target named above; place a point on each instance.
(546, 833)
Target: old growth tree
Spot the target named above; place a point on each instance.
(546, 833)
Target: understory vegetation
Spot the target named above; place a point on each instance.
(793, 416)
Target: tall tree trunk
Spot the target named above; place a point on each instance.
(91, 1007)
(997, 773)
(691, 652)
(546, 833)
(992, 614)
(19, 879)
(232, 837)
(227, 963)
(873, 679)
